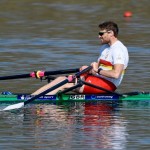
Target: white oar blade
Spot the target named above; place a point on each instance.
(14, 106)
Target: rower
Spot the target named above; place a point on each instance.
(107, 71)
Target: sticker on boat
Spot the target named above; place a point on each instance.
(79, 97)
(45, 97)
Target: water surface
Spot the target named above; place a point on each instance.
(50, 35)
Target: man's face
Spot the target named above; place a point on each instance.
(104, 36)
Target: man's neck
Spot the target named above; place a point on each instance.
(113, 40)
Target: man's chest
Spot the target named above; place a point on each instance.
(106, 55)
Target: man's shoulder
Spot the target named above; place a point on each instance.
(119, 46)
(119, 43)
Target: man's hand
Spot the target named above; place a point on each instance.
(83, 67)
(95, 68)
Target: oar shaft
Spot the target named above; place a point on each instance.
(33, 74)
(47, 91)
(61, 71)
(100, 88)
(19, 76)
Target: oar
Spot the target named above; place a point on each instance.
(100, 88)
(41, 74)
(69, 79)
(108, 91)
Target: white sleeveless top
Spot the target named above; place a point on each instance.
(111, 55)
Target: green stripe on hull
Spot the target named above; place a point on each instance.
(139, 97)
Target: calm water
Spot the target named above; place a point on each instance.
(50, 35)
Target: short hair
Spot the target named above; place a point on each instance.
(109, 25)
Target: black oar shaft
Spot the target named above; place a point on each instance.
(19, 76)
(71, 88)
(61, 71)
(100, 88)
(47, 91)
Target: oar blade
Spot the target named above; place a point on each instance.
(14, 106)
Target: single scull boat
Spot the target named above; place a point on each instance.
(23, 99)
(8, 97)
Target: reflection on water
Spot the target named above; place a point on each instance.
(50, 35)
(96, 125)
(74, 125)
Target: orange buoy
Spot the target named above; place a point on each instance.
(127, 14)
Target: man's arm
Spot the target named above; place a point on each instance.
(114, 73)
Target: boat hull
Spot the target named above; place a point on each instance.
(12, 98)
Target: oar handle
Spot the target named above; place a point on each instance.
(71, 78)
(83, 71)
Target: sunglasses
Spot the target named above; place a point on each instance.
(101, 33)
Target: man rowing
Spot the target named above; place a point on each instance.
(109, 69)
